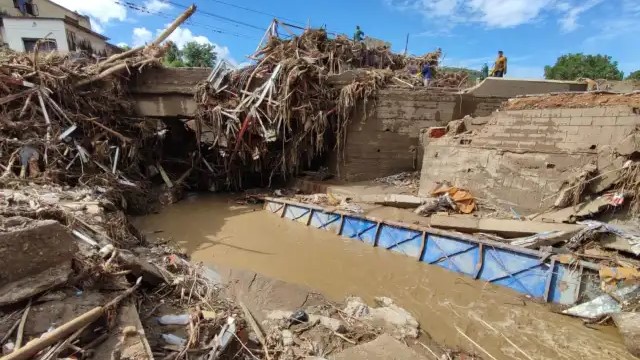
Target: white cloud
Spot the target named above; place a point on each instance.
(569, 22)
(499, 13)
(101, 12)
(492, 13)
(181, 36)
(156, 6)
(141, 36)
(122, 44)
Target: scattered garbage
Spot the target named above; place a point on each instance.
(173, 340)
(182, 319)
(606, 304)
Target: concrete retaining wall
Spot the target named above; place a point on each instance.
(525, 156)
(387, 142)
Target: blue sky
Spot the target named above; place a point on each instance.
(532, 33)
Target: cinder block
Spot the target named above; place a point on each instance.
(571, 112)
(542, 121)
(561, 120)
(618, 110)
(581, 120)
(628, 120)
(572, 130)
(594, 111)
(605, 121)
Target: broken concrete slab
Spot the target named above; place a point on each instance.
(35, 258)
(629, 145)
(573, 213)
(388, 316)
(151, 275)
(394, 200)
(628, 324)
(608, 164)
(502, 227)
(384, 347)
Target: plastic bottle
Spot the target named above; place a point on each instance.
(174, 319)
(173, 339)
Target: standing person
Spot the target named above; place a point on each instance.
(500, 67)
(358, 35)
(427, 74)
(484, 71)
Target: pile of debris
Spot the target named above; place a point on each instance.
(67, 119)
(277, 117)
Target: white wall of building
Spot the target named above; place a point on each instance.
(15, 30)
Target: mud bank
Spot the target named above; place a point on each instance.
(218, 231)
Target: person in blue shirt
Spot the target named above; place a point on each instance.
(427, 74)
(358, 35)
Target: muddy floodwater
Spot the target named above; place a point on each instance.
(454, 310)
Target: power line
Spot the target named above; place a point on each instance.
(224, 18)
(143, 9)
(258, 12)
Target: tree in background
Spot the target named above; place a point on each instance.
(192, 55)
(198, 55)
(634, 75)
(125, 47)
(575, 66)
(173, 56)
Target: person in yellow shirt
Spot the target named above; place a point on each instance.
(500, 67)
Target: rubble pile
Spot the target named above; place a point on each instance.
(58, 129)
(275, 118)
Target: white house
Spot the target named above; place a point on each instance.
(24, 22)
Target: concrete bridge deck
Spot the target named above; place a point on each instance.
(169, 92)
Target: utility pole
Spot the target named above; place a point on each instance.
(406, 45)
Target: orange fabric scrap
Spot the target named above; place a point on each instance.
(464, 200)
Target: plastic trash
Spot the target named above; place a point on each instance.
(299, 317)
(8, 347)
(173, 339)
(174, 319)
(106, 250)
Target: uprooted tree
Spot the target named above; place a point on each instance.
(575, 66)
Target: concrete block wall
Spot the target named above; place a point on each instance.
(525, 156)
(554, 130)
(387, 142)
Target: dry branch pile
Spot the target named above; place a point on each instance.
(54, 130)
(280, 115)
(66, 118)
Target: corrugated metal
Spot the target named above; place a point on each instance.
(529, 272)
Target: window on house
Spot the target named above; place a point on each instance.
(45, 45)
(26, 7)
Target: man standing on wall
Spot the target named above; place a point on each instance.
(500, 67)
(427, 74)
(358, 35)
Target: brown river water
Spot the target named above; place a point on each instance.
(454, 310)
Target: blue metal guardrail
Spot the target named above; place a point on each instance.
(530, 272)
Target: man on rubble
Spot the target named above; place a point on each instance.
(500, 67)
(427, 74)
(358, 35)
